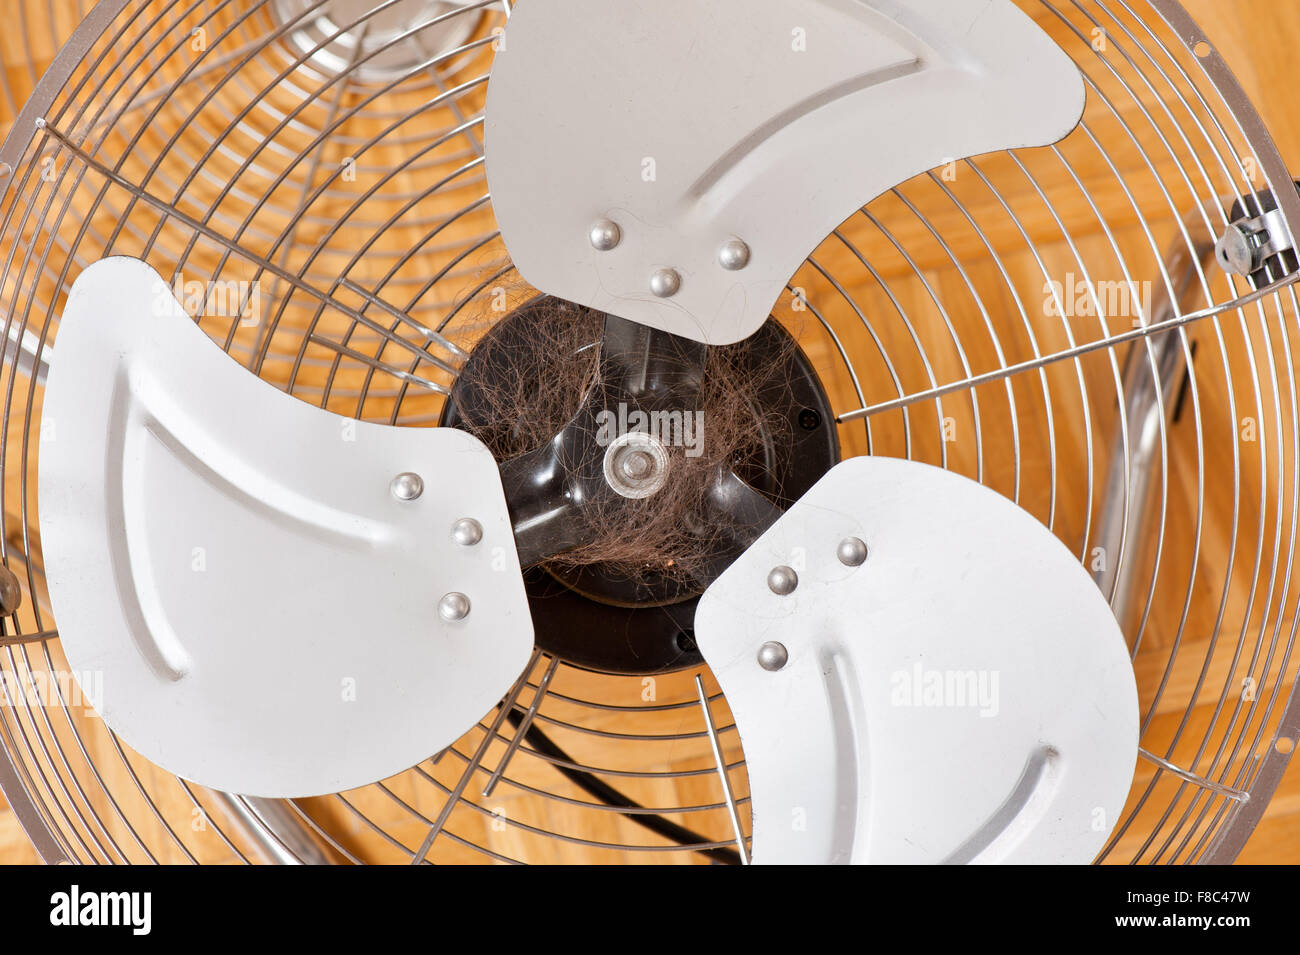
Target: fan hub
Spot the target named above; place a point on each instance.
(636, 465)
(667, 468)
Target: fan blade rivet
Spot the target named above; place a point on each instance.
(407, 486)
(11, 592)
(782, 580)
(453, 606)
(605, 235)
(664, 283)
(852, 552)
(773, 656)
(734, 255)
(467, 532)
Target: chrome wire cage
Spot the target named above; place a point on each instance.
(34, 32)
(1050, 322)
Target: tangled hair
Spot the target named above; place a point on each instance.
(530, 382)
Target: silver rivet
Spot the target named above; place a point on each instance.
(782, 580)
(5, 170)
(11, 592)
(665, 282)
(407, 486)
(734, 255)
(467, 532)
(453, 606)
(773, 656)
(852, 552)
(605, 235)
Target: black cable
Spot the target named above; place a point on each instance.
(612, 797)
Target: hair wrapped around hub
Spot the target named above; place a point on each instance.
(528, 383)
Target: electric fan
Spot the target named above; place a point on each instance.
(833, 431)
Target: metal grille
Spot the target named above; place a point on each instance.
(1049, 322)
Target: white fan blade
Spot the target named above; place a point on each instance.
(263, 609)
(633, 144)
(964, 695)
